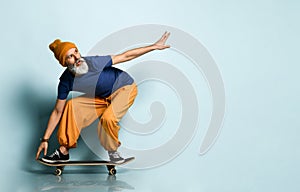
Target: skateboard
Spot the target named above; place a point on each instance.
(61, 165)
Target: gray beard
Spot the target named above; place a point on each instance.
(82, 69)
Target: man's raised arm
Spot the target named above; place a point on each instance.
(134, 53)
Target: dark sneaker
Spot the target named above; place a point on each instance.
(55, 157)
(115, 157)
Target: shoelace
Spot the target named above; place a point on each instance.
(115, 155)
(55, 153)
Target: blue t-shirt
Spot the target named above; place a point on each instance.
(101, 80)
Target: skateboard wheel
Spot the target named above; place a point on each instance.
(112, 171)
(58, 172)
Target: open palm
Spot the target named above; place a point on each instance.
(161, 43)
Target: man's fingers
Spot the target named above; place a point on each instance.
(164, 38)
(38, 154)
(166, 35)
(160, 44)
(45, 149)
(42, 147)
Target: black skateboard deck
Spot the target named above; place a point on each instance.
(110, 165)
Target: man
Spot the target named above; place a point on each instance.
(108, 94)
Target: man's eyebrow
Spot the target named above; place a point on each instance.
(71, 53)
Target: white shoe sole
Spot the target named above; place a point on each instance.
(118, 162)
(54, 161)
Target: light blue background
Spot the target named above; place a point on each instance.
(254, 43)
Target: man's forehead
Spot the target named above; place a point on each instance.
(71, 51)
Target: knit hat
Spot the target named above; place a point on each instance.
(60, 50)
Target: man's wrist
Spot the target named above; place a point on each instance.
(154, 46)
(44, 140)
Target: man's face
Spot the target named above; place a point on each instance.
(75, 63)
(72, 57)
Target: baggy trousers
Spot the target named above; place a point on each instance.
(82, 111)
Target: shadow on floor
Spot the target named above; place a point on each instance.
(80, 182)
(37, 108)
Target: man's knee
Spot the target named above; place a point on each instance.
(108, 118)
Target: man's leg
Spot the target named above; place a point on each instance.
(108, 127)
(78, 114)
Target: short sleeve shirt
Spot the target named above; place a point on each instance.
(101, 80)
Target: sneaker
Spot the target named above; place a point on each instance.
(115, 157)
(55, 157)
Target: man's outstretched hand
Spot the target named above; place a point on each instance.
(161, 43)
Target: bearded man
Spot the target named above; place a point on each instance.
(108, 94)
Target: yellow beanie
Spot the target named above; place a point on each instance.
(60, 50)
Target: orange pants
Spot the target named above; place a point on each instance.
(82, 111)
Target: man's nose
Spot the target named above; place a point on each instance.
(76, 56)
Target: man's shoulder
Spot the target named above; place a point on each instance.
(97, 58)
(98, 62)
(66, 76)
